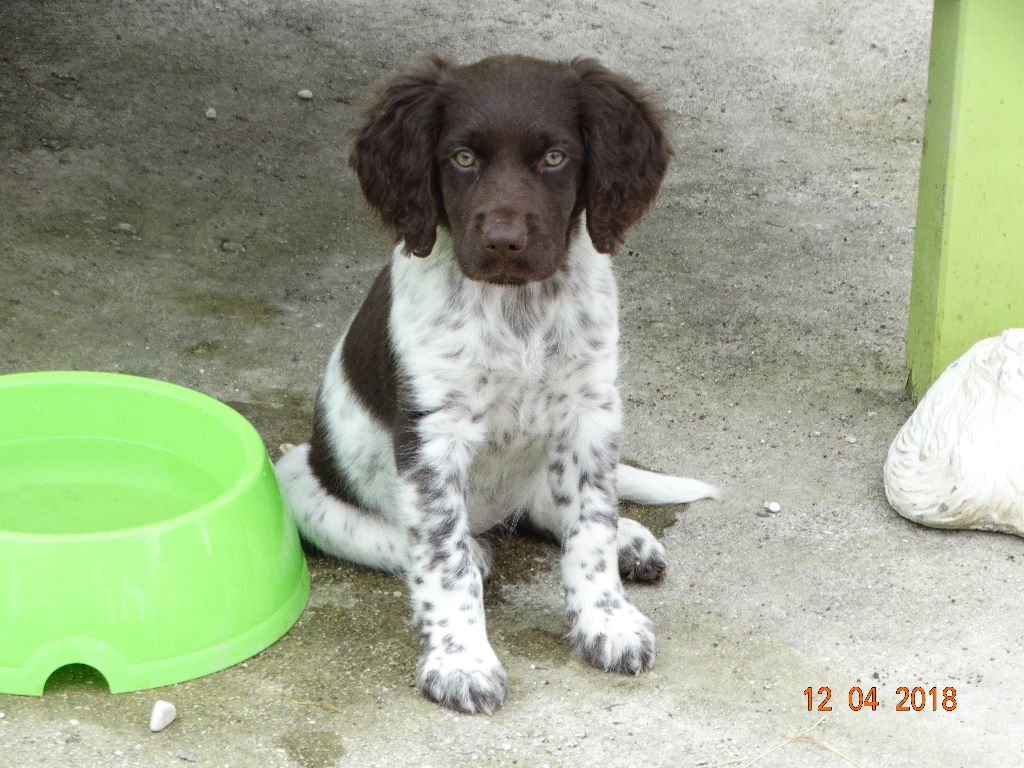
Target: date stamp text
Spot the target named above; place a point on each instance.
(916, 699)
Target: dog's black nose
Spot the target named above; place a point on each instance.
(503, 239)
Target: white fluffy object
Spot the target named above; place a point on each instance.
(958, 462)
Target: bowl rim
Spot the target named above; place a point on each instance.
(255, 456)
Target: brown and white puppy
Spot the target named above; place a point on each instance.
(476, 384)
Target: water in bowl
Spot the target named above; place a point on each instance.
(87, 485)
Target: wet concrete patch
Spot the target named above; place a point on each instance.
(518, 559)
(354, 644)
(657, 518)
(543, 647)
(313, 749)
(205, 348)
(229, 306)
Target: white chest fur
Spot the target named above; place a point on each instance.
(499, 349)
(516, 361)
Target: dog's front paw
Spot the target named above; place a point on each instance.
(474, 683)
(614, 636)
(641, 556)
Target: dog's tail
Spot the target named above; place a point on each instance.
(643, 487)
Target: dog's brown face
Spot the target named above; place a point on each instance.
(507, 153)
(511, 159)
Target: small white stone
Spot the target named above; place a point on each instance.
(211, 114)
(305, 94)
(773, 506)
(851, 439)
(2, 715)
(163, 715)
(73, 723)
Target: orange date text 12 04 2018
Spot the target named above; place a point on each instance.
(916, 699)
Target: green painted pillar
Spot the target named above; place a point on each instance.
(968, 277)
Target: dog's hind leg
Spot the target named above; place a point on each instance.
(641, 557)
(346, 531)
(334, 526)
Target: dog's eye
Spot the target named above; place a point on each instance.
(554, 158)
(464, 158)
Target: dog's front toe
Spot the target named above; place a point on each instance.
(619, 639)
(472, 691)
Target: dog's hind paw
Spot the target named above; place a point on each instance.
(641, 556)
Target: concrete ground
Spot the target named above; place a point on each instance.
(764, 311)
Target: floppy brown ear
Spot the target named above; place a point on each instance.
(627, 152)
(393, 155)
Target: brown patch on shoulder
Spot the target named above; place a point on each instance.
(324, 464)
(368, 358)
(368, 367)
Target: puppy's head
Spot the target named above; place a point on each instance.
(507, 153)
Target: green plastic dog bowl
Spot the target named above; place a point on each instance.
(142, 533)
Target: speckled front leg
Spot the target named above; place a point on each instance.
(604, 628)
(457, 666)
